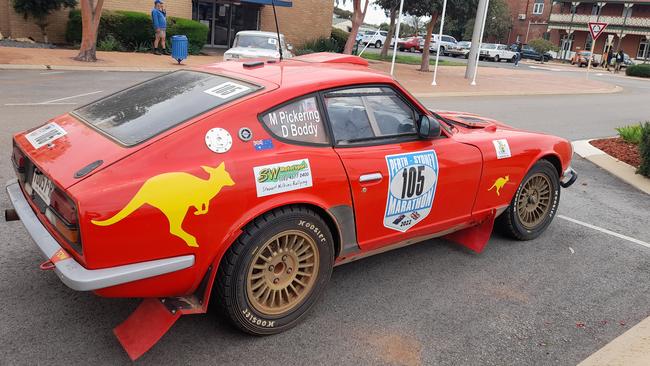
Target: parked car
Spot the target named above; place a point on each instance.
(224, 181)
(496, 52)
(460, 49)
(445, 43)
(581, 58)
(257, 44)
(627, 61)
(411, 44)
(374, 38)
(530, 53)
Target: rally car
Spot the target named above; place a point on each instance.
(247, 182)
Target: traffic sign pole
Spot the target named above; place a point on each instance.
(596, 29)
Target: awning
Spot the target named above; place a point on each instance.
(269, 2)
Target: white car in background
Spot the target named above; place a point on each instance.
(497, 52)
(460, 49)
(374, 38)
(446, 42)
(257, 44)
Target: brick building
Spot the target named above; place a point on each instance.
(628, 29)
(302, 21)
(529, 19)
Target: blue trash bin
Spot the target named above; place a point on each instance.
(179, 48)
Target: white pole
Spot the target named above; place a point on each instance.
(442, 24)
(399, 22)
(480, 42)
(372, 40)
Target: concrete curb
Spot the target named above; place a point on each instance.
(616, 89)
(629, 349)
(614, 166)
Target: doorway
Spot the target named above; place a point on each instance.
(224, 19)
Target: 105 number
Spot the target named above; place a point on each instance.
(412, 182)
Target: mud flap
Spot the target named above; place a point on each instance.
(144, 327)
(476, 237)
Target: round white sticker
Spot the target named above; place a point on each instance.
(218, 140)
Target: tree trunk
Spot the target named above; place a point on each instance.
(391, 31)
(424, 66)
(357, 20)
(91, 13)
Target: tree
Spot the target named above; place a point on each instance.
(426, 8)
(391, 7)
(91, 13)
(358, 14)
(497, 23)
(40, 9)
(542, 46)
(342, 13)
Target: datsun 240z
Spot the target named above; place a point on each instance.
(247, 182)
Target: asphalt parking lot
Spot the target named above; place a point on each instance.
(554, 300)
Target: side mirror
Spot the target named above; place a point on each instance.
(428, 127)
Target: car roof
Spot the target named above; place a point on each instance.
(259, 33)
(305, 73)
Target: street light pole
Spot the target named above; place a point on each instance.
(442, 24)
(477, 36)
(399, 22)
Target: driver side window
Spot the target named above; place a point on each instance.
(364, 114)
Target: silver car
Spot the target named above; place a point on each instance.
(257, 44)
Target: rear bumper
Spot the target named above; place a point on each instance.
(73, 274)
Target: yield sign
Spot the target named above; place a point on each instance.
(596, 29)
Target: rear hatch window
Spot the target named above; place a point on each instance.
(145, 110)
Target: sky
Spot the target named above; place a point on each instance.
(375, 14)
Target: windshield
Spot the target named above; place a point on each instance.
(489, 46)
(147, 109)
(464, 44)
(252, 41)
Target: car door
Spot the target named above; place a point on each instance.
(402, 186)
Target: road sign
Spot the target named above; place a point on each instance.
(596, 29)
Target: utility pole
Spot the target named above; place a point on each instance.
(477, 35)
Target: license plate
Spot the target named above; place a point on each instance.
(42, 186)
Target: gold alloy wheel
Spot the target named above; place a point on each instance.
(282, 273)
(534, 200)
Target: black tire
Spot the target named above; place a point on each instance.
(510, 221)
(467, 56)
(442, 50)
(496, 58)
(231, 286)
(378, 44)
(412, 49)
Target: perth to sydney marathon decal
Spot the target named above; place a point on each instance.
(412, 187)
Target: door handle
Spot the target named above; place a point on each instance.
(370, 177)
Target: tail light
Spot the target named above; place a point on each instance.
(19, 160)
(62, 214)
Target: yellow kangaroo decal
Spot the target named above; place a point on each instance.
(173, 194)
(499, 183)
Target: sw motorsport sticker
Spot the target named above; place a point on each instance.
(413, 178)
(282, 177)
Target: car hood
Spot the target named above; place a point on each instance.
(252, 52)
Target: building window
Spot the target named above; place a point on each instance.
(538, 7)
(644, 49)
(595, 9)
(627, 11)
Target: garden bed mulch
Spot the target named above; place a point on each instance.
(620, 149)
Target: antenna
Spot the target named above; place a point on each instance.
(277, 28)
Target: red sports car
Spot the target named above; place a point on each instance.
(411, 44)
(251, 180)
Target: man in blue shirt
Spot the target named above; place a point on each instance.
(159, 18)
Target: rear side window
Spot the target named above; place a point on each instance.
(298, 121)
(148, 109)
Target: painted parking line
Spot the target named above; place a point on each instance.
(605, 231)
(56, 101)
(52, 72)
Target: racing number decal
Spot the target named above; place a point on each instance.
(413, 178)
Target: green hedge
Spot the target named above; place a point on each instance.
(642, 70)
(644, 150)
(134, 30)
